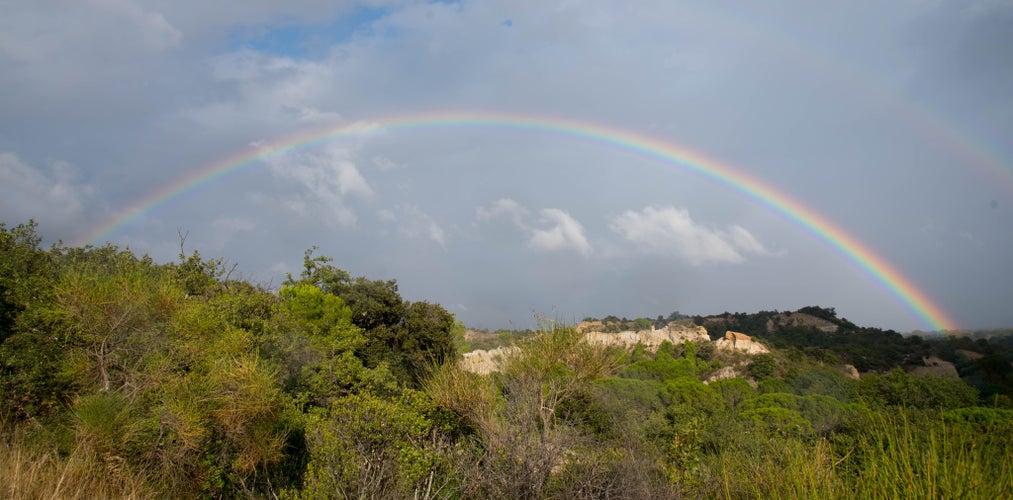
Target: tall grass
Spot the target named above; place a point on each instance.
(783, 468)
(932, 459)
(30, 470)
(899, 456)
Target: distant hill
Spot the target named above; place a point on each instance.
(981, 358)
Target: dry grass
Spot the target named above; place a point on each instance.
(29, 471)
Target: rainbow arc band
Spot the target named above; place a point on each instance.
(665, 152)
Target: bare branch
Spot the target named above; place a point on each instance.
(182, 241)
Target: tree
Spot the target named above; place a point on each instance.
(31, 382)
(423, 337)
(406, 337)
(429, 338)
(26, 273)
(374, 303)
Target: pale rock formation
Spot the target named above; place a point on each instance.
(735, 341)
(485, 362)
(722, 374)
(590, 326)
(674, 332)
(850, 371)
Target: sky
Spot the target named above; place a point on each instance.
(892, 121)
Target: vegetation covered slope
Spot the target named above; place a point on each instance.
(122, 377)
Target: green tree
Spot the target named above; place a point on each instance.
(374, 303)
(367, 447)
(26, 273)
(762, 366)
(642, 324)
(407, 338)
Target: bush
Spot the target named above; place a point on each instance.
(734, 391)
(826, 381)
(822, 413)
(777, 421)
(366, 447)
(899, 388)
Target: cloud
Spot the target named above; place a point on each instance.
(745, 240)
(111, 26)
(668, 230)
(351, 182)
(555, 230)
(136, 94)
(565, 234)
(265, 93)
(507, 208)
(327, 181)
(383, 163)
(153, 31)
(51, 195)
(414, 223)
(970, 238)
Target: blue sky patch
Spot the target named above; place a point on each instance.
(299, 40)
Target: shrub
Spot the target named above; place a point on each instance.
(366, 447)
(899, 388)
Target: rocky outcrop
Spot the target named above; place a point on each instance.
(798, 319)
(485, 362)
(735, 341)
(935, 367)
(676, 333)
(850, 371)
(722, 374)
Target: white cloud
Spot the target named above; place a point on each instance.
(667, 230)
(505, 207)
(266, 93)
(327, 181)
(559, 231)
(414, 223)
(351, 182)
(745, 240)
(52, 195)
(117, 86)
(565, 234)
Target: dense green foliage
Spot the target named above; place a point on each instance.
(122, 377)
(406, 337)
(982, 359)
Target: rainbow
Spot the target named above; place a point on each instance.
(941, 131)
(666, 152)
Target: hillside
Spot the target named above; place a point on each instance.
(121, 377)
